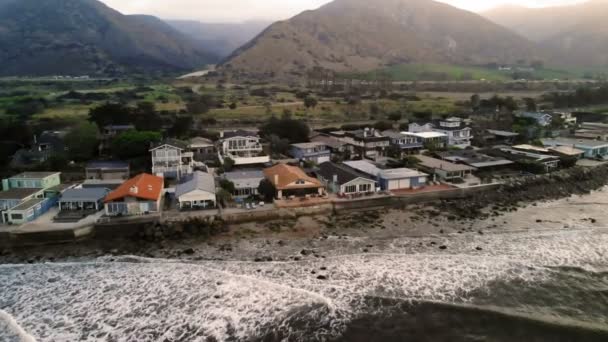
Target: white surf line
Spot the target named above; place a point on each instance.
(15, 328)
(319, 297)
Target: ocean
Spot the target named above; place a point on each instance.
(527, 285)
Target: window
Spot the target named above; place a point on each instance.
(365, 187)
(300, 182)
(16, 217)
(350, 189)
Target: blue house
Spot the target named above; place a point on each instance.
(594, 149)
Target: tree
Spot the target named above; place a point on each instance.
(475, 101)
(295, 131)
(267, 190)
(530, 104)
(200, 105)
(134, 144)
(223, 197)
(228, 164)
(227, 185)
(181, 127)
(110, 114)
(310, 102)
(278, 145)
(81, 142)
(383, 125)
(396, 116)
(145, 117)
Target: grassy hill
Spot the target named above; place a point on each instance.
(361, 35)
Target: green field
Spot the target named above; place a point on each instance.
(444, 72)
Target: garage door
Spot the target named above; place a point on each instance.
(398, 184)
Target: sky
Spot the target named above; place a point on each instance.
(242, 10)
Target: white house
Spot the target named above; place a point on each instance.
(457, 131)
(171, 160)
(198, 191)
(243, 147)
(390, 179)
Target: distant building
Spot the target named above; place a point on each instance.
(493, 136)
(243, 147)
(592, 131)
(594, 149)
(246, 183)
(171, 160)
(83, 200)
(111, 131)
(457, 130)
(315, 152)
(550, 162)
(137, 196)
(107, 170)
(197, 191)
(292, 181)
(334, 144)
(436, 139)
(341, 179)
(542, 119)
(32, 180)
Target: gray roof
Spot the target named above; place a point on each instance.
(503, 133)
(18, 194)
(344, 174)
(308, 145)
(110, 164)
(85, 195)
(198, 181)
(433, 163)
(34, 175)
(574, 142)
(400, 173)
(245, 179)
(28, 204)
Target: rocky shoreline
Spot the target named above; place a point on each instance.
(364, 231)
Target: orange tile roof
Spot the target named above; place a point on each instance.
(144, 186)
(287, 175)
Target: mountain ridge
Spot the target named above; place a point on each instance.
(76, 37)
(356, 35)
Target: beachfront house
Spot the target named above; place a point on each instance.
(366, 143)
(137, 196)
(203, 149)
(456, 130)
(443, 169)
(243, 147)
(170, 159)
(197, 191)
(292, 181)
(83, 200)
(475, 159)
(343, 180)
(390, 179)
(407, 144)
(593, 149)
(107, 170)
(313, 152)
(28, 195)
(246, 182)
(548, 161)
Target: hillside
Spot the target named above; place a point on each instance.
(577, 33)
(76, 37)
(359, 35)
(220, 38)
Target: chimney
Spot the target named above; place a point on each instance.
(335, 178)
(276, 179)
(221, 134)
(134, 190)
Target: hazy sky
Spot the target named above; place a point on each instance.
(240, 10)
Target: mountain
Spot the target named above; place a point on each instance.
(77, 37)
(360, 35)
(577, 33)
(220, 38)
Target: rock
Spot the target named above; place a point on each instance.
(313, 272)
(593, 220)
(365, 250)
(480, 232)
(441, 231)
(188, 251)
(258, 260)
(217, 297)
(53, 280)
(479, 249)
(306, 252)
(539, 221)
(297, 258)
(322, 277)
(443, 247)
(323, 268)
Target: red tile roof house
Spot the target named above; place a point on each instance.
(138, 196)
(292, 181)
